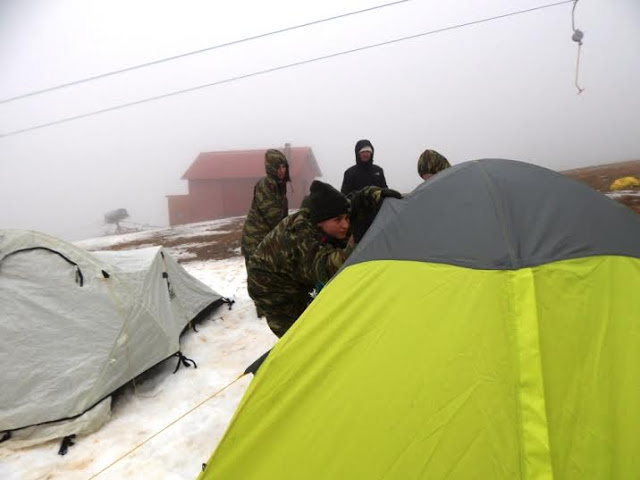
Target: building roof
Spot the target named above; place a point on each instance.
(248, 164)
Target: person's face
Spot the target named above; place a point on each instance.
(282, 171)
(427, 176)
(336, 227)
(365, 156)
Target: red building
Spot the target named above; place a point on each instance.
(221, 183)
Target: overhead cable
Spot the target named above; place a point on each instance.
(196, 52)
(278, 68)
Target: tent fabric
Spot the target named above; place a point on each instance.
(499, 214)
(77, 325)
(417, 368)
(89, 422)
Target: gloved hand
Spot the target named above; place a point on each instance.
(387, 192)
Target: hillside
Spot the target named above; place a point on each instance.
(220, 239)
(213, 240)
(600, 177)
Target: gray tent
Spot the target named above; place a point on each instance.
(499, 214)
(76, 326)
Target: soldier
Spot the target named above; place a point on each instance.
(364, 173)
(269, 204)
(430, 163)
(305, 248)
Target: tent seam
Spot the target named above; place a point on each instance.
(125, 324)
(516, 360)
(499, 212)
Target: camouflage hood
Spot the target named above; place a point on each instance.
(431, 162)
(272, 160)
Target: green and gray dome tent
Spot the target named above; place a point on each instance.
(487, 326)
(77, 325)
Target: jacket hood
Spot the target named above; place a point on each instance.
(272, 160)
(361, 144)
(431, 162)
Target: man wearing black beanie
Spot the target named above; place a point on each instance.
(305, 248)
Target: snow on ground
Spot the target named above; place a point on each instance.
(225, 344)
(177, 231)
(623, 193)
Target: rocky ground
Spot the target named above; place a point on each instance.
(215, 240)
(601, 177)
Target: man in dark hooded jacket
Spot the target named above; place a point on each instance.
(364, 173)
(269, 205)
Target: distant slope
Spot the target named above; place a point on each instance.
(213, 240)
(600, 177)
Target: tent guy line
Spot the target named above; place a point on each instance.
(191, 410)
(277, 68)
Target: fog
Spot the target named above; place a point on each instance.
(503, 88)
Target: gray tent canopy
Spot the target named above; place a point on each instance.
(78, 325)
(499, 214)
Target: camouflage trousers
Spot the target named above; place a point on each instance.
(280, 306)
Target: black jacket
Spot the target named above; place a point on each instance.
(362, 174)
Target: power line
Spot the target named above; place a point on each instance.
(278, 68)
(196, 52)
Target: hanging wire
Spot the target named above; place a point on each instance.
(576, 37)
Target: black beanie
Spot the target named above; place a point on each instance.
(326, 202)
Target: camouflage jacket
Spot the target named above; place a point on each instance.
(295, 256)
(365, 204)
(268, 207)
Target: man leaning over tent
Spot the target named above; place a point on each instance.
(305, 248)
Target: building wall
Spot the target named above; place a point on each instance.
(206, 200)
(237, 195)
(298, 189)
(213, 199)
(179, 209)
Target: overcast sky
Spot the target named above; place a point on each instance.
(503, 88)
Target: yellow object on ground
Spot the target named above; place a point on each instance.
(625, 183)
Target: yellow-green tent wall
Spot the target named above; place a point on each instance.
(486, 326)
(450, 372)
